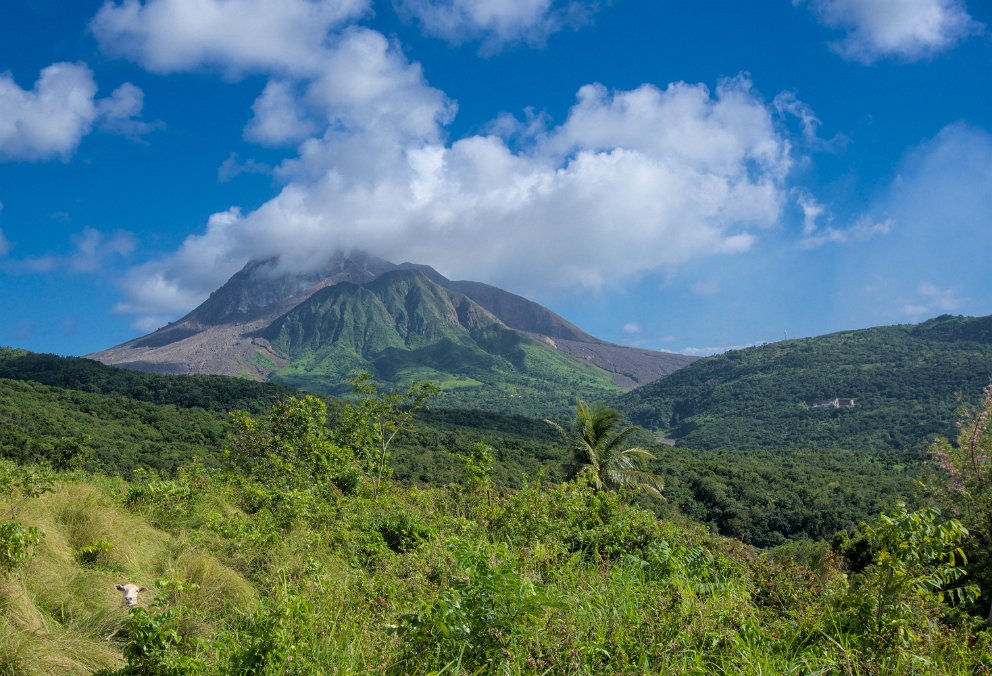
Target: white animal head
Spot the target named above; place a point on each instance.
(130, 593)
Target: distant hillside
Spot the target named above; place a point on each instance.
(215, 393)
(905, 380)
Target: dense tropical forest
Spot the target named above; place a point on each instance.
(110, 420)
(374, 533)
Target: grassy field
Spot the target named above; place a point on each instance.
(247, 578)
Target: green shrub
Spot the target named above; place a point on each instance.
(156, 643)
(91, 553)
(17, 544)
(471, 624)
(917, 562)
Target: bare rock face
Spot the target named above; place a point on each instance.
(225, 335)
(261, 290)
(631, 367)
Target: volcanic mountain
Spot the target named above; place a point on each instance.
(486, 347)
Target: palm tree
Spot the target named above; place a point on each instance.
(598, 447)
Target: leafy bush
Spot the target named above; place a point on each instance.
(17, 544)
(91, 553)
(578, 517)
(470, 624)
(291, 446)
(917, 561)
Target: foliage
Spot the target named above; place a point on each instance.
(292, 446)
(112, 433)
(23, 482)
(371, 425)
(156, 644)
(966, 485)
(767, 498)
(270, 571)
(598, 448)
(17, 543)
(763, 497)
(214, 393)
(470, 625)
(905, 380)
(19, 483)
(917, 560)
(91, 552)
(543, 579)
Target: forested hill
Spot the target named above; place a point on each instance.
(906, 380)
(215, 393)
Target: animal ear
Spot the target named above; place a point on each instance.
(120, 587)
(141, 589)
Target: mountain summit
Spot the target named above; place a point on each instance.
(485, 346)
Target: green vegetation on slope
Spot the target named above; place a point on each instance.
(216, 393)
(295, 559)
(767, 498)
(906, 381)
(275, 573)
(403, 328)
(107, 432)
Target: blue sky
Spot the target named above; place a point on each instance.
(679, 176)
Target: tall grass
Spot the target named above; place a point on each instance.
(548, 579)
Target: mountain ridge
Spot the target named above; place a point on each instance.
(906, 380)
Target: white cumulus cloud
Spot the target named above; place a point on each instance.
(632, 182)
(496, 23)
(50, 120)
(236, 36)
(119, 113)
(905, 29)
(932, 300)
(278, 117)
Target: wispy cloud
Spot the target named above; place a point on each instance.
(632, 328)
(233, 166)
(932, 300)
(496, 23)
(936, 258)
(905, 29)
(709, 351)
(4, 242)
(91, 251)
(787, 104)
(814, 234)
(705, 287)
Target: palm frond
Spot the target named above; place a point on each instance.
(598, 446)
